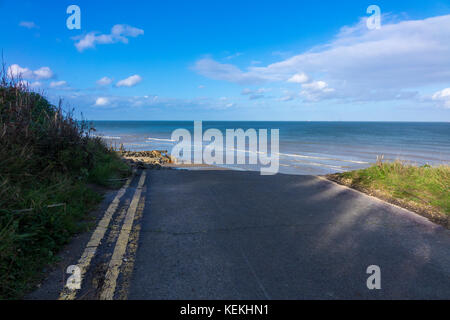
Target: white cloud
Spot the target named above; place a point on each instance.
(362, 64)
(316, 86)
(442, 97)
(35, 84)
(119, 33)
(129, 82)
(248, 91)
(16, 71)
(299, 78)
(255, 94)
(32, 85)
(101, 101)
(228, 72)
(28, 24)
(43, 73)
(55, 84)
(399, 55)
(237, 54)
(104, 81)
(287, 98)
(150, 101)
(316, 91)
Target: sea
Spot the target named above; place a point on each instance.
(304, 147)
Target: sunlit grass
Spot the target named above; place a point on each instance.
(424, 189)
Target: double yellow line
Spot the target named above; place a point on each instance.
(115, 263)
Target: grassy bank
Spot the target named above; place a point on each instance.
(46, 158)
(424, 189)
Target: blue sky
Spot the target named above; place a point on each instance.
(235, 60)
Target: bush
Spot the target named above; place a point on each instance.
(46, 157)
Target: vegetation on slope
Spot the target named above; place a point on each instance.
(424, 189)
(46, 158)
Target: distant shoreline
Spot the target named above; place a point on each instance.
(274, 121)
(311, 148)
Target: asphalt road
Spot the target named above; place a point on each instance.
(239, 235)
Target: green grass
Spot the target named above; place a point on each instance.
(46, 158)
(424, 189)
(108, 169)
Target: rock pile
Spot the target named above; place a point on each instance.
(154, 159)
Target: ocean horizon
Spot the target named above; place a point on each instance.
(306, 147)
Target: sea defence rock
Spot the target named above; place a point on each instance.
(154, 159)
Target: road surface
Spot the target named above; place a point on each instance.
(239, 235)
(179, 234)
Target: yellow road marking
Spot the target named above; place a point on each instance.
(94, 242)
(109, 285)
(127, 267)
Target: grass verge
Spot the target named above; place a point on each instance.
(46, 158)
(424, 190)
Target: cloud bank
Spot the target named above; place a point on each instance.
(358, 64)
(119, 33)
